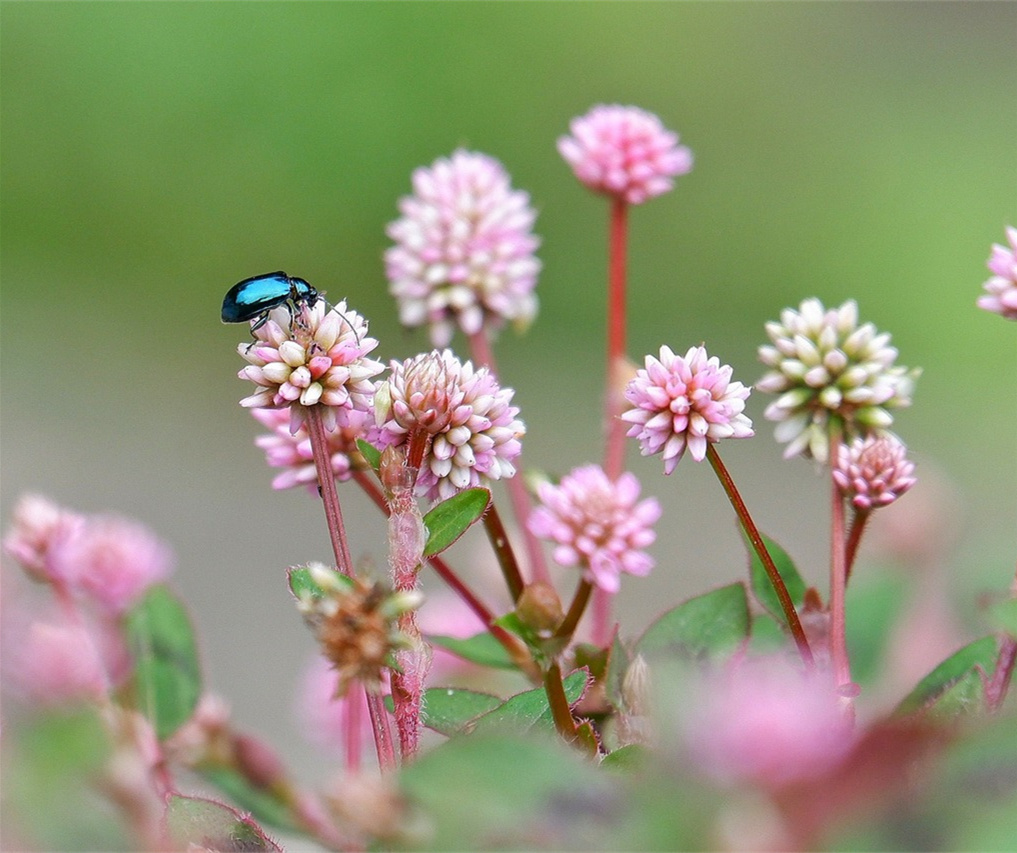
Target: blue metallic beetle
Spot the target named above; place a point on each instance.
(256, 296)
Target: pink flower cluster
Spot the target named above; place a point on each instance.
(597, 524)
(1001, 289)
(873, 471)
(475, 430)
(624, 152)
(681, 403)
(464, 249)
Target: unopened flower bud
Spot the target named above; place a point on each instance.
(539, 607)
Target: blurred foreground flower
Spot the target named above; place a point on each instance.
(474, 430)
(464, 249)
(1001, 289)
(685, 403)
(597, 524)
(834, 377)
(874, 471)
(317, 356)
(624, 152)
(38, 524)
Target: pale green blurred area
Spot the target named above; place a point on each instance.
(154, 154)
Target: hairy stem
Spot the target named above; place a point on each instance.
(752, 532)
(858, 522)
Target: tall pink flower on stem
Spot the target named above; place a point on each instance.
(627, 154)
(690, 403)
(1001, 289)
(464, 249)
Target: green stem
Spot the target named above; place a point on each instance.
(751, 531)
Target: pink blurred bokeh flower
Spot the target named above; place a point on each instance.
(684, 403)
(37, 524)
(1001, 289)
(873, 472)
(597, 524)
(464, 250)
(625, 152)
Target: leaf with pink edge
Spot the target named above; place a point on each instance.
(450, 519)
(530, 709)
(211, 825)
(955, 686)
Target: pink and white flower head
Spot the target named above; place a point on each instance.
(317, 356)
(1001, 289)
(597, 524)
(873, 471)
(464, 249)
(684, 403)
(112, 561)
(55, 663)
(834, 377)
(291, 451)
(764, 722)
(474, 429)
(624, 152)
(38, 523)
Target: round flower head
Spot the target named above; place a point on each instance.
(873, 471)
(474, 429)
(1001, 289)
(38, 524)
(597, 524)
(684, 403)
(624, 152)
(111, 560)
(292, 452)
(464, 249)
(319, 355)
(834, 377)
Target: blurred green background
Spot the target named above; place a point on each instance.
(154, 154)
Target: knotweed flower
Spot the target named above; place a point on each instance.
(1001, 289)
(318, 356)
(112, 560)
(597, 524)
(463, 253)
(55, 662)
(292, 452)
(873, 471)
(474, 430)
(624, 152)
(681, 403)
(834, 377)
(38, 523)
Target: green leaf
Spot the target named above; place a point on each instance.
(213, 826)
(450, 519)
(450, 710)
(302, 584)
(1003, 616)
(761, 585)
(260, 803)
(617, 665)
(632, 756)
(167, 677)
(530, 709)
(482, 649)
(370, 453)
(953, 685)
(873, 604)
(709, 627)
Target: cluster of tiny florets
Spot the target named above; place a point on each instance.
(597, 524)
(625, 152)
(836, 379)
(1001, 289)
(874, 471)
(291, 451)
(475, 430)
(464, 249)
(316, 356)
(684, 403)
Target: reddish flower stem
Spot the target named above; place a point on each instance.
(579, 601)
(752, 532)
(996, 689)
(560, 711)
(480, 350)
(516, 650)
(858, 522)
(503, 550)
(344, 562)
(838, 590)
(614, 401)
